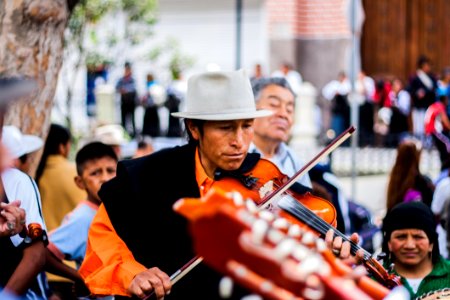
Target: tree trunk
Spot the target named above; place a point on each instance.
(32, 41)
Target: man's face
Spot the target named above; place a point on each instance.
(411, 247)
(95, 173)
(223, 144)
(277, 126)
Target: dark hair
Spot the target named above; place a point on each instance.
(91, 151)
(404, 172)
(23, 158)
(422, 60)
(260, 84)
(197, 123)
(57, 135)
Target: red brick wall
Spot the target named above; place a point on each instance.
(308, 18)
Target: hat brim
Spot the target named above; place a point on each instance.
(30, 143)
(224, 116)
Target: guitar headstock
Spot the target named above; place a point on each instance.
(265, 253)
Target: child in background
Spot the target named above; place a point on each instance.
(96, 164)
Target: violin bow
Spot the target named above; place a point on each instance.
(185, 269)
(325, 151)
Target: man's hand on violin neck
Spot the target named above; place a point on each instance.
(151, 280)
(342, 249)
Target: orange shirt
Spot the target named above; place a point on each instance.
(109, 266)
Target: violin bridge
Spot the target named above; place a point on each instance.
(266, 189)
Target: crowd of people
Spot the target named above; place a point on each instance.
(391, 109)
(107, 226)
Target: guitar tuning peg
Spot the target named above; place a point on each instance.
(280, 223)
(251, 206)
(285, 248)
(294, 231)
(237, 198)
(259, 230)
(275, 236)
(308, 238)
(266, 215)
(226, 286)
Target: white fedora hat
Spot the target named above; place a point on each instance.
(110, 134)
(19, 144)
(220, 96)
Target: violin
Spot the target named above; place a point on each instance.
(305, 210)
(269, 254)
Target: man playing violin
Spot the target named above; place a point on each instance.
(154, 240)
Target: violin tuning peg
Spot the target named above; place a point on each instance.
(226, 285)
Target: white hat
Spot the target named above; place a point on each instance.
(220, 96)
(111, 134)
(19, 144)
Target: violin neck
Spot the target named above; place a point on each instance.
(304, 214)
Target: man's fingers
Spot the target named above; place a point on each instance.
(337, 243)
(165, 280)
(354, 238)
(329, 238)
(345, 250)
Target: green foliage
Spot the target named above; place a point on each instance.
(95, 60)
(89, 12)
(171, 55)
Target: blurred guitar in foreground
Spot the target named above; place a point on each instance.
(268, 254)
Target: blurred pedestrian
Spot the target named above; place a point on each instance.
(176, 91)
(96, 164)
(422, 87)
(365, 87)
(337, 91)
(406, 182)
(144, 147)
(294, 78)
(437, 127)
(399, 124)
(112, 135)
(152, 100)
(20, 146)
(126, 87)
(439, 206)
(22, 230)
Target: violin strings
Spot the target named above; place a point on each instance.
(298, 209)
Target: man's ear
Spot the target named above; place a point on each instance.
(79, 182)
(193, 130)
